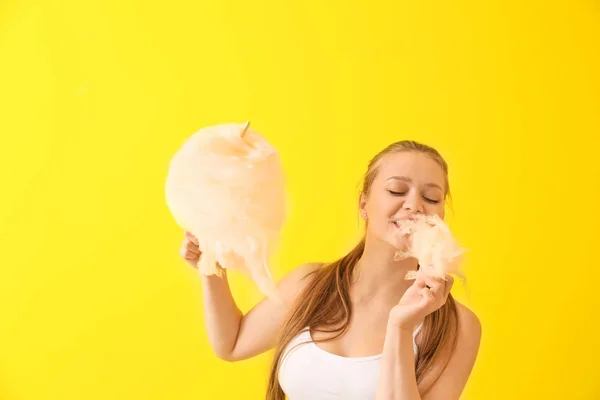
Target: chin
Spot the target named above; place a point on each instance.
(399, 244)
(392, 238)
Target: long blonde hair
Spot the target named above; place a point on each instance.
(325, 301)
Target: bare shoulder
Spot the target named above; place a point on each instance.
(453, 376)
(470, 325)
(295, 281)
(260, 326)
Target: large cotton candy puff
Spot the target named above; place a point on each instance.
(225, 185)
(431, 242)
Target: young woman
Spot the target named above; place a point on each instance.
(355, 328)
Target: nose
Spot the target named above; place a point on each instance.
(413, 203)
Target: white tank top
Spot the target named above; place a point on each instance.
(308, 372)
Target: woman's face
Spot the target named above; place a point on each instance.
(407, 183)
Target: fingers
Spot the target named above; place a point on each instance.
(190, 251)
(439, 287)
(188, 254)
(428, 297)
(190, 246)
(191, 237)
(435, 284)
(420, 282)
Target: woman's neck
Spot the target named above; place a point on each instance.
(376, 274)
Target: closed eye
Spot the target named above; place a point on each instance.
(427, 199)
(431, 200)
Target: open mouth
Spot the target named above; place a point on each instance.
(399, 224)
(403, 225)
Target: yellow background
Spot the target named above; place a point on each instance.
(95, 97)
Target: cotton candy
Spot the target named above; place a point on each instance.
(225, 185)
(432, 244)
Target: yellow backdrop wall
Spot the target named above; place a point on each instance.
(95, 97)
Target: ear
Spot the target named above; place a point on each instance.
(362, 206)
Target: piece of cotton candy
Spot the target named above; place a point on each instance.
(432, 244)
(225, 185)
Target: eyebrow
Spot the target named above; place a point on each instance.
(407, 179)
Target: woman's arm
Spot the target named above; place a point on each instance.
(234, 336)
(397, 379)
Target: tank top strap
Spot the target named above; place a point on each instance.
(415, 333)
